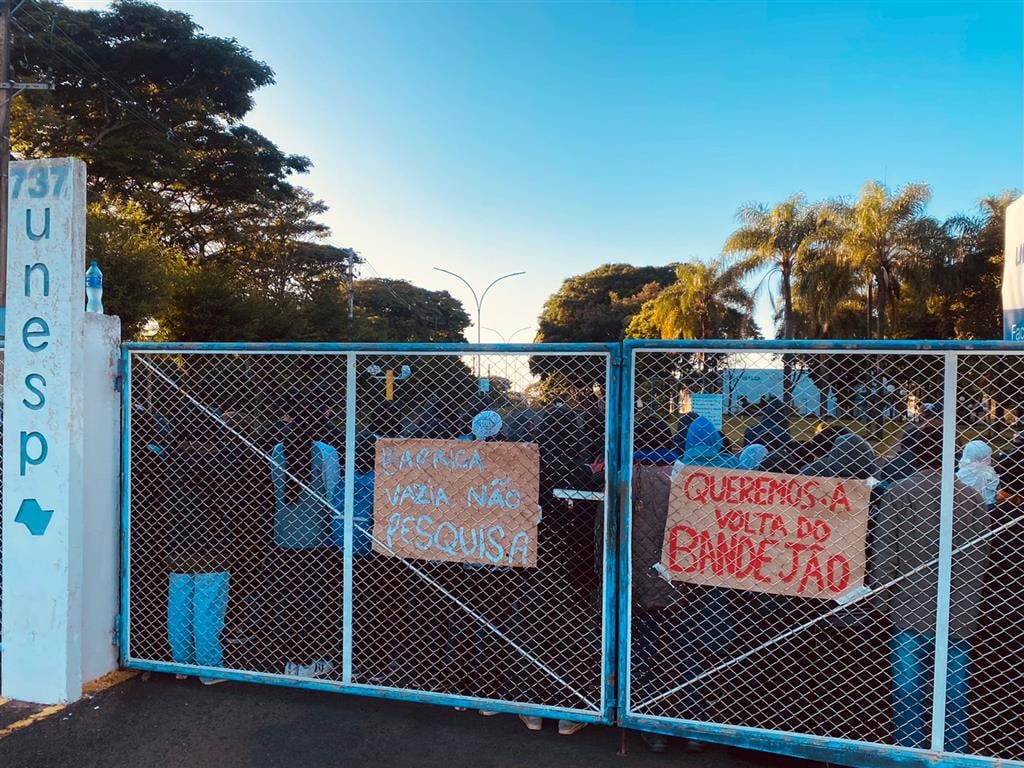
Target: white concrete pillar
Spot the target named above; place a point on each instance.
(1013, 273)
(61, 421)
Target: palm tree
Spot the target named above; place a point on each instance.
(826, 304)
(776, 239)
(707, 301)
(981, 239)
(884, 236)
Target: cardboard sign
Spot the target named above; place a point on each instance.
(457, 501)
(765, 532)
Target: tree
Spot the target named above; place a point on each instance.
(138, 270)
(154, 107)
(977, 307)
(210, 303)
(929, 284)
(707, 301)
(884, 235)
(598, 305)
(775, 239)
(396, 310)
(826, 302)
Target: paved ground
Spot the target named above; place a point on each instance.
(165, 723)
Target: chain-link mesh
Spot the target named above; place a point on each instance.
(239, 476)
(1, 486)
(742, 614)
(985, 672)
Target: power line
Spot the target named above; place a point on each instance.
(10, 89)
(129, 103)
(386, 282)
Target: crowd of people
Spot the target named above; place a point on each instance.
(238, 542)
(248, 519)
(865, 671)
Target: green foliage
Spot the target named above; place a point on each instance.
(138, 269)
(598, 305)
(209, 303)
(885, 233)
(977, 306)
(775, 240)
(196, 222)
(153, 107)
(396, 310)
(706, 301)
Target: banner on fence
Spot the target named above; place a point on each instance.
(457, 501)
(765, 532)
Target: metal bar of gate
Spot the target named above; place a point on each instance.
(612, 514)
(945, 553)
(350, 479)
(124, 613)
(625, 494)
(596, 709)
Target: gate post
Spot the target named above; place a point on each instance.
(60, 525)
(949, 413)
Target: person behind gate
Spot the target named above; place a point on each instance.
(304, 570)
(199, 549)
(907, 538)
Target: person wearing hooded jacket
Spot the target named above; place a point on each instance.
(906, 539)
(704, 447)
(666, 614)
(305, 571)
(706, 621)
(976, 470)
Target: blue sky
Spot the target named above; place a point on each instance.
(553, 137)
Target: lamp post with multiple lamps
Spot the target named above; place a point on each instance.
(479, 300)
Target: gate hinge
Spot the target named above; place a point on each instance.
(119, 376)
(117, 629)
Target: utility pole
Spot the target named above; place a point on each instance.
(5, 140)
(8, 90)
(350, 282)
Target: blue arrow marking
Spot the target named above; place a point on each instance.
(33, 517)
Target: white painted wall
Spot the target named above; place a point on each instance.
(101, 495)
(1013, 273)
(60, 565)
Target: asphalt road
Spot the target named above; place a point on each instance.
(166, 723)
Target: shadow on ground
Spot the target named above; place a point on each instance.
(166, 723)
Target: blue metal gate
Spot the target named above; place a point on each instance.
(225, 577)
(597, 631)
(924, 663)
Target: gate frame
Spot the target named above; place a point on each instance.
(613, 356)
(795, 744)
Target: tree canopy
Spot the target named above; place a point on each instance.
(195, 217)
(598, 305)
(706, 301)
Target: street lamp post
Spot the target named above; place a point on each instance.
(508, 339)
(479, 301)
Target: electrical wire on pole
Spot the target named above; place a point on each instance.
(8, 90)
